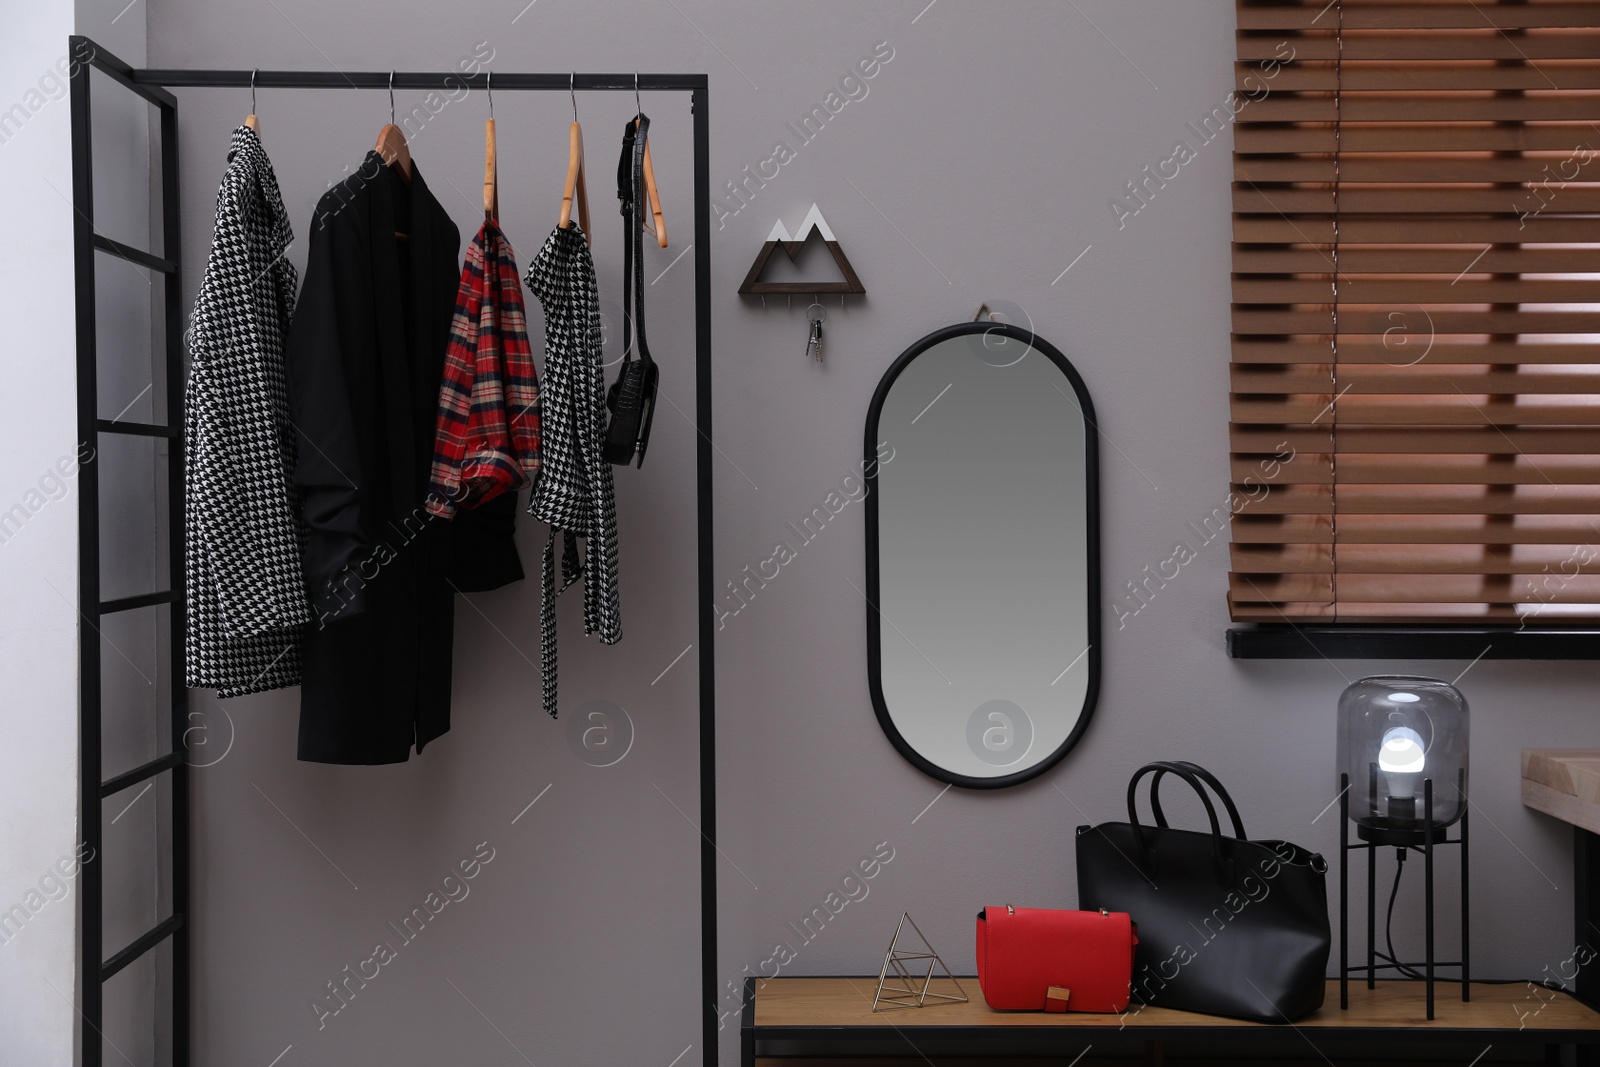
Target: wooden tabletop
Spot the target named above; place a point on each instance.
(847, 1002)
(1565, 783)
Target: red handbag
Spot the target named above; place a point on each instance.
(1043, 959)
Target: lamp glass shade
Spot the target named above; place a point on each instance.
(1395, 732)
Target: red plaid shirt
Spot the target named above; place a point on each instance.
(487, 441)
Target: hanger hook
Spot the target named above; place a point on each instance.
(391, 98)
(572, 91)
(488, 85)
(638, 107)
(253, 74)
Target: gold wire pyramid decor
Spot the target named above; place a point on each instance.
(899, 989)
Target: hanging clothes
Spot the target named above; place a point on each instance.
(245, 595)
(487, 439)
(574, 494)
(365, 358)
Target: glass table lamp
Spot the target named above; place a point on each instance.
(1403, 783)
(1399, 735)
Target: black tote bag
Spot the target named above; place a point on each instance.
(1227, 926)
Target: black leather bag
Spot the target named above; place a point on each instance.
(1227, 926)
(632, 397)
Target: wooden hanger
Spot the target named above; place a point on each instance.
(491, 186)
(392, 141)
(250, 119)
(393, 149)
(660, 227)
(577, 185)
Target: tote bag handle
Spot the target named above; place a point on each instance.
(1187, 775)
(1209, 779)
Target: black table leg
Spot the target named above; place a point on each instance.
(1586, 917)
(1586, 927)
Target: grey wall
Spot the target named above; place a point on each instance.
(980, 165)
(38, 561)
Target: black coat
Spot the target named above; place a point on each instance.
(365, 356)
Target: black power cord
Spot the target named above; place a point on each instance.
(1411, 972)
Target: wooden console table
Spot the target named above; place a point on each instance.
(800, 1018)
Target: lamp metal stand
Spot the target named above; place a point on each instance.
(1423, 839)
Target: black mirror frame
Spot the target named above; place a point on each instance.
(1091, 545)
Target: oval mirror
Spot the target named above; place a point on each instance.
(983, 588)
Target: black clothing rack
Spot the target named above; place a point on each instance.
(152, 86)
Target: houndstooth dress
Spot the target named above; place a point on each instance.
(574, 494)
(246, 600)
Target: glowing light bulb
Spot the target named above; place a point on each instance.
(1402, 758)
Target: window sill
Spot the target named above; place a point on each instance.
(1411, 642)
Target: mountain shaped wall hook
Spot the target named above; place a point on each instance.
(791, 245)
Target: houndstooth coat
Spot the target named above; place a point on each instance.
(575, 494)
(245, 595)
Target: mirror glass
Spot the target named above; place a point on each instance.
(982, 543)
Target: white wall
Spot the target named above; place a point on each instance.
(38, 556)
(980, 165)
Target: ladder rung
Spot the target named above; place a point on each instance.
(140, 773)
(143, 944)
(143, 600)
(135, 255)
(139, 429)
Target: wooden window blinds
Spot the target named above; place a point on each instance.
(1415, 384)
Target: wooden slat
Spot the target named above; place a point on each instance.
(1406, 137)
(1287, 499)
(1425, 377)
(1412, 499)
(1425, 349)
(1449, 260)
(1243, 612)
(1403, 45)
(1277, 587)
(1309, 320)
(1554, 562)
(1400, 199)
(1252, 78)
(1302, 468)
(1417, 588)
(1566, 530)
(1546, 171)
(1432, 614)
(1313, 468)
(1432, 440)
(1569, 105)
(1361, 290)
(1423, 412)
(1282, 529)
(1465, 588)
(1318, 229)
(1464, 499)
(1395, 16)
(1281, 559)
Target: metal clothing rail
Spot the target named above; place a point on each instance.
(153, 86)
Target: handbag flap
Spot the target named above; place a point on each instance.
(1024, 952)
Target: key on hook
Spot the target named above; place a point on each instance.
(814, 341)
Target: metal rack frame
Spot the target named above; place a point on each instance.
(153, 86)
(1423, 839)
